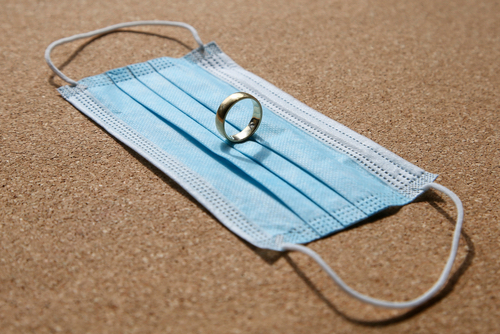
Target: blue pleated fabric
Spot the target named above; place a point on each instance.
(285, 184)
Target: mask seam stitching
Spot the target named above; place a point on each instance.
(120, 75)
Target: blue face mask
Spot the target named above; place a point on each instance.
(301, 177)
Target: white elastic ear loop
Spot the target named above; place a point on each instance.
(397, 305)
(108, 29)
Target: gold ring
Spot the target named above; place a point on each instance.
(226, 105)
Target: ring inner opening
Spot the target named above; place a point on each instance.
(239, 117)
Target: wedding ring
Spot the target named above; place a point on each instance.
(222, 112)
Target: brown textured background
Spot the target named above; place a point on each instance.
(94, 239)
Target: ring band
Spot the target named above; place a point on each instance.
(226, 105)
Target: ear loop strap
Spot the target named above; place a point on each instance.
(108, 29)
(387, 304)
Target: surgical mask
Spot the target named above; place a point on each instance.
(301, 177)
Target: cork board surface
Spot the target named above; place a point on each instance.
(96, 240)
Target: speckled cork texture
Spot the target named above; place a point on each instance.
(96, 240)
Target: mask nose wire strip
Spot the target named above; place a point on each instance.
(108, 29)
(387, 304)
